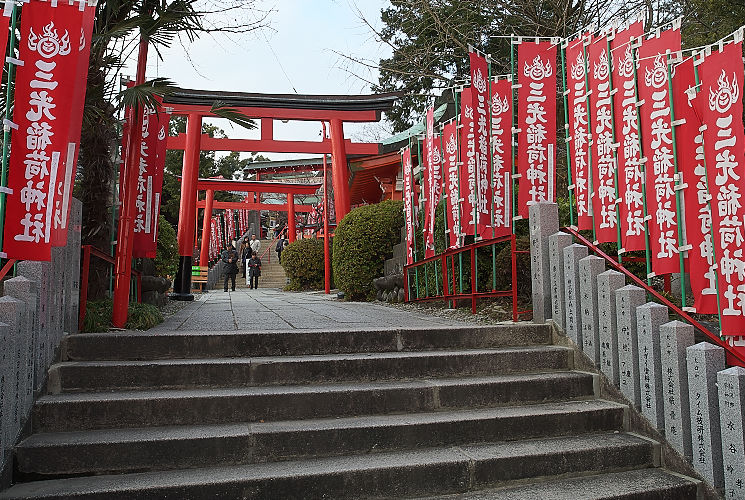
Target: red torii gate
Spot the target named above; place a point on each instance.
(198, 104)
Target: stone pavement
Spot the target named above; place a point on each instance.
(270, 309)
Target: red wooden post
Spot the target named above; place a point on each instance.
(291, 217)
(339, 170)
(123, 261)
(205, 248)
(187, 208)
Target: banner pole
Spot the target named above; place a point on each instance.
(590, 184)
(423, 202)
(512, 138)
(677, 191)
(491, 176)
(445, 199)
(617, 202)
(647, 256)
(6, 126)
(566, 135)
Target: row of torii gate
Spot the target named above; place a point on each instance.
(197, 105)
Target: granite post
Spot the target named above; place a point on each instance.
(608, 282)
(589, 269)
(675, 338)
(572, 255)
(628, 298)
(544, 221)
(7, 371)
(59, 276)
(556, 244)
(731, 384)
(41, 273)
(72, 284)
(704, 360)
(25, 290)
(649, 318)
(11, 313)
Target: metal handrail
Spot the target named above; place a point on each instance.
(7, 267)
(732, 353)
(279, 233)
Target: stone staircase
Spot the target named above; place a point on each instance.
(467, 412)
(272, 272)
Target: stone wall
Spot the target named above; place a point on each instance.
(683, 390)
(37, 308)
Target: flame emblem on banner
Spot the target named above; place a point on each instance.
(479, 82)
(436, 155)
(499, 105)
(469, 112)
(162, 133)
(452, 146)
(725, 96)
(657, 76)
(626, 64)
(537, 70)
(578, 68)
(601, 70)
(49, 44)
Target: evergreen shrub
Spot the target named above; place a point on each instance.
(302, 261)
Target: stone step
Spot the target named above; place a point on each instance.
(640, 484)
(101, 410)
(161, 448)
(75, 376)
(185, 345)
(391, 474)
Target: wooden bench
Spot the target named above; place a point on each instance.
(199, 277)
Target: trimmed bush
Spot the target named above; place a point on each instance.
(139, 316)
(302, 261)
(363, 240)
(166, 256)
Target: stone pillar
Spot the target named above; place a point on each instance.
(675, 338)
(7, 371)
(572, 255)
(628, 298)
(39, 272)
(544, 221)
(58, 298)
(589, 269)
(608, 283)
(704, 360)
(731, 383)
(11, 313)
(27, 291)
(556, 244)
(649, 318)
(72, 289)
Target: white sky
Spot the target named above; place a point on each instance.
(302, 35)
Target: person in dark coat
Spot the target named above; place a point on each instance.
(230, 258)
(254, 271)
(281, 244)
(245, 254)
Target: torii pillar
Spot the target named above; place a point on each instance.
(339, 170)
(187, 208)
(291, 228)
(205, 248)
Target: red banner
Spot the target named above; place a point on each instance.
(630, 181)
(501, 135)
(149, 182)
(536, 119)
(657, 140)
(452, 182)
(433, 179)
(480, 103)
(603, 157)
(579, 130)
(408, 203)
(689, 141)
(48, 46)
(721, 77)
(467, 164)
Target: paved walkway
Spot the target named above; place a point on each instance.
(271, 309)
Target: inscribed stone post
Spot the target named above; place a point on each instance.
(704, 360)
(26, 291)
(731, 384)
(544, 221)
(572, 255)
(59, 261)
(6, 399)
(72, 288)
(649, 318)
(40, 272)
(556, 244)
(11, 313)
(608, 283)
(589, 269)
(675, 338)
(628, 298)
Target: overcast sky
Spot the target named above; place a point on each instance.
(294, 54)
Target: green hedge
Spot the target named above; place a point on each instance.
(303, 264)
(166, 257)
(363, 240)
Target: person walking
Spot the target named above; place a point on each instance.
(230, 258)
(254, 271)
(281, 244)
(255, 245)
(245, 254)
